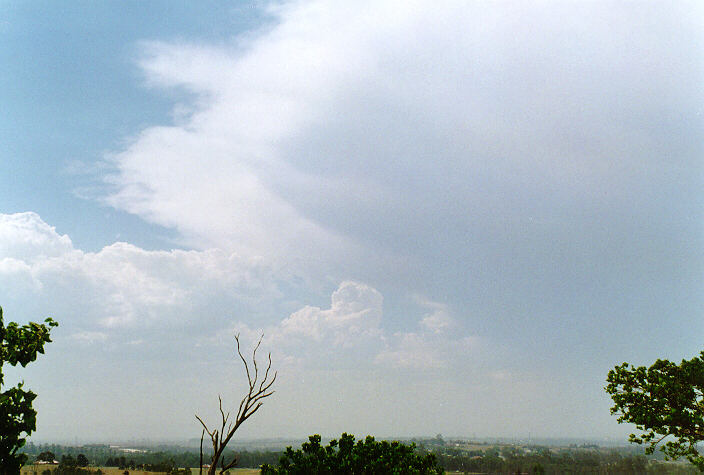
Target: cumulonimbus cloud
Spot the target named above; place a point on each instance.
(338, 136)
(534, 169)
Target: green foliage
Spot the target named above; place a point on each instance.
(68, 462)
(82, 460)
(454, 456)
(46, 456)
(18, 345)
(662, 400)
(366, 456)
(555, 461)
(103, 455)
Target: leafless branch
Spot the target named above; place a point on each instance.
(250, 404)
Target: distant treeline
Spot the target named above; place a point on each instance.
(490, 459)
(454, 456)
(155, 459)
(564, 461)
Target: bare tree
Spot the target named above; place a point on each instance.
(251, 402)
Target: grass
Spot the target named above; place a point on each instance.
(38, 469)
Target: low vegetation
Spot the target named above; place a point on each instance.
(453, 456)
(347, 457)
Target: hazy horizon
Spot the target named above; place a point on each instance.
(274, 441)
(444, 217)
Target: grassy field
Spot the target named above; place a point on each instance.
(32, 469)
(38, 469)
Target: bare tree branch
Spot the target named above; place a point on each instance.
(250, 404)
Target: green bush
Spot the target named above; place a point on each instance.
(346, 456)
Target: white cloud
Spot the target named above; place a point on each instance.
(90, 337)
(424, 350)
(354, 314)
(438, 320)
(411, 350)
(122, 286)
(17, 273)
(25, 237)
(349, 332)
(353, 327)
(449, 137)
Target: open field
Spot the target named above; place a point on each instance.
(38, 469)
(32, 469)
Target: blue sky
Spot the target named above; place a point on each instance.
(75, 93)
(445, 218)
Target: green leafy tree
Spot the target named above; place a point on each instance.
(82, 460)
(18, 345)
(666, 399)
(68, 462)
(46, 456)
(345, 457)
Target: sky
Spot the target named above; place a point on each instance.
(444, 217)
